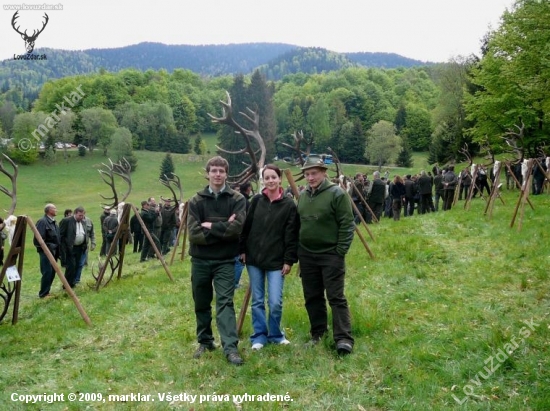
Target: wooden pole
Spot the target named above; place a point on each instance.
(244, 309)
(518, 184)
(62, 278)
(182, 227)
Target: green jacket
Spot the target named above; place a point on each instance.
(326, 219)
(221, 242)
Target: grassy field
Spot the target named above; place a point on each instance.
(452, 314)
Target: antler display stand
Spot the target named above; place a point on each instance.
(115, 262)
(15, 256)
(62, 278)
(523, 196)
(181, 229)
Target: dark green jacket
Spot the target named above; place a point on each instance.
(221, 242)
(326, 219)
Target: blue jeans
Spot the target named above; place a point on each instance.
(270, 330)
(238, 271)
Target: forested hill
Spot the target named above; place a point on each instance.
(24, 79)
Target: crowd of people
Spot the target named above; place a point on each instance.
(70, 241)
(425, 192)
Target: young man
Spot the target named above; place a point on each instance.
(215, 222)
(326, 233)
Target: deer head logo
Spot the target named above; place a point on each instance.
(29, 40)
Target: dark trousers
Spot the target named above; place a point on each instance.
(425, 203)
(48, 275)
(102, 250)
(409, 206)
(138, 242)
(448, 197)
(208, 276)
(377, 209)
(73, 260)
(464, 190)
(147, 250)
(322, 273)
(165, 236)
(396, 209)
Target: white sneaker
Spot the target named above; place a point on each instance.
(284, 342)
(257, 346)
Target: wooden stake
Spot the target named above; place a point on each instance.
(61, 276)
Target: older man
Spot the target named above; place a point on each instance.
(49, 231)
(326, 233)
(72, 231)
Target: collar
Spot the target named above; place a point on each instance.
(219, 192)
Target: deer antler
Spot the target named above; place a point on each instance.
(168, 182)
(485, 146)
(336, 161)
(298, 140)
(464, 150)
(514, 138)
(13, 177)
(121, 169)
(255, 164)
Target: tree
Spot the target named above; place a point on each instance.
(121, 147)
(167, 167)
(63, 131)
(99, 125)
(25, 146)
(382, 143)
(259, 96)
(227, 138)
(512, 78)
(199, 146)
(353, 142)
(7, 116)
(404, 159)
(417, 129)
(449, 117)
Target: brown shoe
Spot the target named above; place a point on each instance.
(234, 358)
(203, 348)
(47, 297)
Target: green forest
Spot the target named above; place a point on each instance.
(496, 104)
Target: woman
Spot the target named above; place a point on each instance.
(268, 247)
(398, 195)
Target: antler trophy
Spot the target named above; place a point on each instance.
(121, 169)
(13, 178)
(256, 164)
(298, 140)
(173, 181)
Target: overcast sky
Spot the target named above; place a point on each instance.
(427, 30)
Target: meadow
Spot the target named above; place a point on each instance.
(451, 314)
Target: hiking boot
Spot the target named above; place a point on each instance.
(234, 358)
(344, 348)
(316, 339)
(203, 348)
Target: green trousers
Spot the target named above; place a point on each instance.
(208, 276)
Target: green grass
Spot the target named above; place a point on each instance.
(445, 292)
